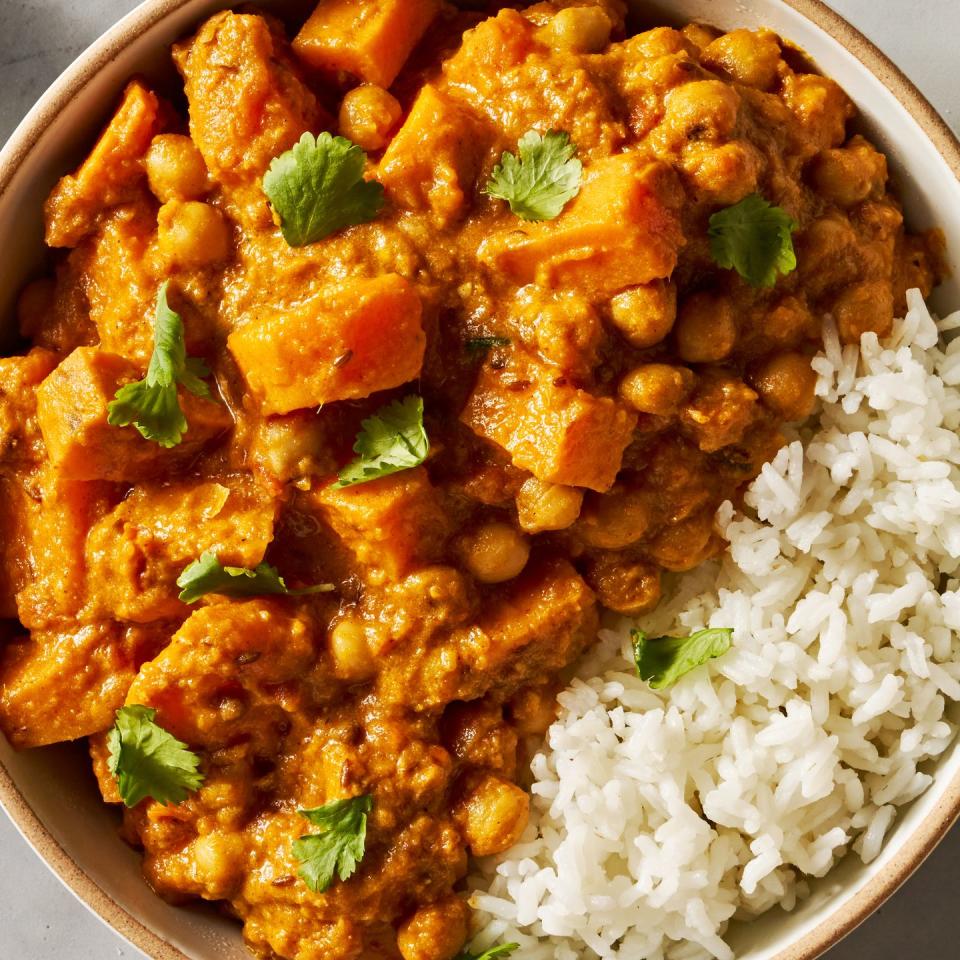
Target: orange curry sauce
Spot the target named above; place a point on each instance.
(634, 385)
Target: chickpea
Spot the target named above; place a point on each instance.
(218, 859)
(850, 174)
(291, 447)
(821, 106)
(547, 506)
(192, 234)
(493, 815)
(533, 709)
(175, 168)
(702, 110)
(495, 552)
(685, 544)
(34, 305)
(657, 388)
(706, 328)
(435, 932)
(625, 586)
(724, 174)
(352, 658)
(751, 57)
(368, 114)
(789, 322)
(862, 308)
(786, 383)
(577, 30)
(699, 34)
(645, 315)
(720, 413)
(615, 520)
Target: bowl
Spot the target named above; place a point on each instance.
(50, 793)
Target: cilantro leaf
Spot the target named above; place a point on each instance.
(504, 950)
(152, 404)
(149, 762)
(208, 575)
(754, 238)
(539, 184)
(664, 660)
(477, 346)
(392, 440)
(340, 845)
(318, 188)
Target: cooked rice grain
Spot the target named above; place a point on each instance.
(659, 816)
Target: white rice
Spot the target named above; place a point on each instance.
(659, 816)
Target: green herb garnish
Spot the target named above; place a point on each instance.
(664, 660)
(754, 238)
(152, 404)
(392, 440)
(476, 346)
(318, 188)
(339, 847)
(208, 575)
(149, 762)
(504, 950)
(540, 183)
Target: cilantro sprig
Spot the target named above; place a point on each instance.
(317, 188)
(754, 238)
(664, 660)
(152, 404)
(208, 575)
(393, 439)
(149, 762)
(542, 180)
(340, 845)
(504, 950)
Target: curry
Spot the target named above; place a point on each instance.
(357, 392)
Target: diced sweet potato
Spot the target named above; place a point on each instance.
(559, 433)
(65, 684)
(239, 649)
(369, 38)
(432, 161)
(110, 174)
(72, 410)
(392, 524)
(14, 542)
(247, 104)
(135, 554)
(51, 516)
(538, 625)
(119, 281)
(20, 439)
(620, 231)
(346, 342)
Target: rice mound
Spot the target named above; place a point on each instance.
(658, 816)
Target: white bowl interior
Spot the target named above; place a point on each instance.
(56, 782)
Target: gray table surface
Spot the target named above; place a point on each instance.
(39, 919)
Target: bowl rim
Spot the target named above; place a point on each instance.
(841, 921)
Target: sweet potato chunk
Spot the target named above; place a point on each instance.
(20, 438)
(247, 104)
(186, 683)
(135, 554)
(51, 516)
(347, 342)
(432, 161)
(622, 230)
(110, 174)
(559, 433)
(537, 626)
(65, 684)
(394, 524)
(369, 38)
(72, 410)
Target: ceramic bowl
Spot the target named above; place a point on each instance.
(50, 793)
